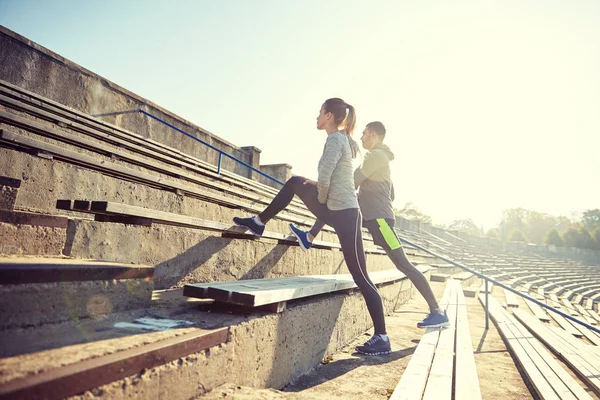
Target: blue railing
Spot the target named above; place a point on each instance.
(221, 152)
(495, 282)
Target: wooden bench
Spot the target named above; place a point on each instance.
(439, 277)
(440, 352)
(511, 298)
(537, 311)
(69, 380)
(576, 354)
(106, 211)
(275, 292)
(547, 377)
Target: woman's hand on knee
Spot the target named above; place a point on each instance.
(310, 182)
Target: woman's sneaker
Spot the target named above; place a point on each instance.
(435, 319)
(302, 237)
(376, 346)
(251, 224)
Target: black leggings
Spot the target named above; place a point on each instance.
(383, 234)
(347, 224)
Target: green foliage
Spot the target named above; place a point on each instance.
(466, 226)
(591, 219)
(493, 233)
(411, 212)
(571, 237)
(585, 239)
(517, 236)
(596, 237)
(553, 238)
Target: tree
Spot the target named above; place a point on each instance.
(553, 238)
(466, 226)
(585, 239)
(493, 233)
(411, 212)
(537, 225)
(571, 237)
(596, 237)
(512, 219)
(591, 219)
(517, 236)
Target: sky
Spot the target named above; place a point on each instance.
(488, 105)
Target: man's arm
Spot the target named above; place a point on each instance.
(372, 162)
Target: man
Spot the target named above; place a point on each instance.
(375, 196)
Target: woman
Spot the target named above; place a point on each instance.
(333, 200)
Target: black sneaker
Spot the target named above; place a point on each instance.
(434, 320)
(375, 346)
(250, 224)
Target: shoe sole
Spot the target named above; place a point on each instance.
(443, 324)
(247, 228)
(298, 239)
(377, 353)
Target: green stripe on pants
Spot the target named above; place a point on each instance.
(388, 234)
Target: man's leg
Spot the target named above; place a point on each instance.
(384, 236)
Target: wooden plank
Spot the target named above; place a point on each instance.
(589, 335)
(511, 298)
(257, 292)
(555, 302)
(414, 379)
(466, 380)
(537, 311)
(43, 270)
(162, 217)
(490, 287)
(564, 323)
(65, 116)
(128, 173)
(569, 308)
(439, 277)
(585, 314)
(144, 162)
(518, 347)
(439, 382)
(123, 219)
(541, 294)
(577, 361)
(62, 382)
(560, 380)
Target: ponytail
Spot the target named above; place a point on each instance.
(350, 120)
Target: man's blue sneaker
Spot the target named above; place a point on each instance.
(250, 224)
(302, 237)
(434, 320)
(376, 346)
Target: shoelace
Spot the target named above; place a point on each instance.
(373, 340)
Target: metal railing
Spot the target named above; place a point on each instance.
(495, 282)
(221, 152)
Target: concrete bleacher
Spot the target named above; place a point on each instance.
(443, 356)
(121, 275)
(95, 191)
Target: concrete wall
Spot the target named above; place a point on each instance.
(32, 67)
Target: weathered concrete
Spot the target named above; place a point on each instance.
(35, 304)
(8, 196)
(31, 240)
(185, 255)
(28, 65)
(45, 181)
(281, 172)
(263, 351)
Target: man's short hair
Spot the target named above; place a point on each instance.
(376, 127)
